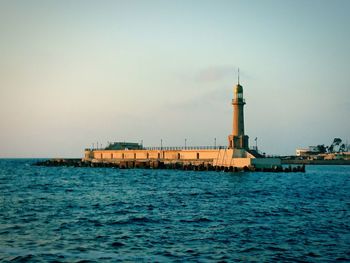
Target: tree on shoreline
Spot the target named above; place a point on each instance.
(321, 148)
(337, 143)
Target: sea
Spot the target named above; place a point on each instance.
(67, 214)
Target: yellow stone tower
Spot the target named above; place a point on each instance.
(238, 140)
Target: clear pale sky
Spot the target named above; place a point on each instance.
(77, 72)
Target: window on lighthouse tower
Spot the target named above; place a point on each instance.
(239, 95)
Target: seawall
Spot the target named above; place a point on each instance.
(160, 164)
(315, 162)
(237, 158)
(220, 159)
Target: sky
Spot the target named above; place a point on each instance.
(73, 73)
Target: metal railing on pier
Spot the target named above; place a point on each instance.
(178, 148)
(172, 148)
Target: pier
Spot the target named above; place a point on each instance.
(237, 156)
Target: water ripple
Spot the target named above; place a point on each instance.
(108, 215)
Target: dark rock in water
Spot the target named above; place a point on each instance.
(61, 162)
(156, 164)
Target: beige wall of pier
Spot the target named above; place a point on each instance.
(266, 162)
(151, 154)
(217, 157)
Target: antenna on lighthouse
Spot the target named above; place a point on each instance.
(238, 76)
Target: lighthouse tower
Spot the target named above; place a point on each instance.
(238, 140)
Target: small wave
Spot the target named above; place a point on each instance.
(117, 244)
(312, 254)
(167, 254)
(343, 259)
(276, 248)
(24, 258)
(95, 222)
(15, 227)
(209, 193)
(150, 207)
(82, 249)
(195, 220)
(249, 249)
(124, 212)
(203, 219)
(134, 220)
(116, 203)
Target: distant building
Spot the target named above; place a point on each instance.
(338, 156)
(124, 146)
(311, 150)
(314, 153)
(301, 152)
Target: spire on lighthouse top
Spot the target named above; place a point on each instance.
(238, 88)
(238, 76)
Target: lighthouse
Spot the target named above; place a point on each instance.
(238, 140)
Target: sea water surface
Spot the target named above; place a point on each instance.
(59, 214)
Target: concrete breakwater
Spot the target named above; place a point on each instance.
(315, 162)
(161, 164)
